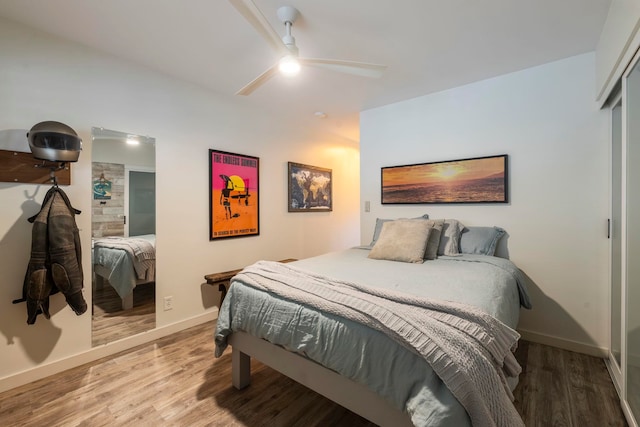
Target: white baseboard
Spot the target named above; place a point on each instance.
(564, 344)
(48, 369)
(628, 414)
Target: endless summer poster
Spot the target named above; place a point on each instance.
(233, 195)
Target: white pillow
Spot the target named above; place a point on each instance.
(402, 240)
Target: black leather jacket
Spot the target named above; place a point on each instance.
(56, 257)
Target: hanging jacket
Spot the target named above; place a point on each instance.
(56, 257)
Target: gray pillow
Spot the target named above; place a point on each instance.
(434, 238)
(450, 237)
(402, 240)
(480, 240)
(380, 222)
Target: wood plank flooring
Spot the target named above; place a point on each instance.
(111, 323)
(564, 388)
(176, 381)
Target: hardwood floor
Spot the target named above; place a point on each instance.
(176, 381)
(564, 388)
(110, 322)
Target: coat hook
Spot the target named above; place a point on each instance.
(53, 177)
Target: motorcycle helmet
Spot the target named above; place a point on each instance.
(54, 141)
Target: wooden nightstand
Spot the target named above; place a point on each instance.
(223, 279)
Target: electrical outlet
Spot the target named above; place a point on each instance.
(168, 303)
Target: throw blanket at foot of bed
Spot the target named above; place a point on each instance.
(468, 349)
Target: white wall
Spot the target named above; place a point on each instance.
(47, 79)
(546, 120)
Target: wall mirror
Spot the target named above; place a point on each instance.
(123, 234)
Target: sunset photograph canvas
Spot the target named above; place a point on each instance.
(476, 180)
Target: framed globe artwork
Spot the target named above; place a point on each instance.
(310, 188)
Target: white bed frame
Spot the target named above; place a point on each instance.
(347, 393)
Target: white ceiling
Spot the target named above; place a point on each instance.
(428, 45)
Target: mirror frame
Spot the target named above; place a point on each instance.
(114, 316)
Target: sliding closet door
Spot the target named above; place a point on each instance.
(632, 225)
(615, 234)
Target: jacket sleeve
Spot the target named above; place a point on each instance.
(38, 284)
(65, 254)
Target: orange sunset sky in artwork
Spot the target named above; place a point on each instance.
(439, 173)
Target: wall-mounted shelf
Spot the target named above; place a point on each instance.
(21, 167)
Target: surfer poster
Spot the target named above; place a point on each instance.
(233, 195)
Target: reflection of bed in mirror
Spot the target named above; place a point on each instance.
(124, 262)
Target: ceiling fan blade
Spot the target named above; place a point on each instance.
(252, 14)
(258, 81)
(350, 67)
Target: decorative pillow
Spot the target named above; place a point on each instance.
(450, 237)
(380, 222)
(434, 238)
(480, 240)
(402, 240)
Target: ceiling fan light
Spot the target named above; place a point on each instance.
(289, 66)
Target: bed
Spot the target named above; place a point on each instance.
(383, 376)
(125, 262)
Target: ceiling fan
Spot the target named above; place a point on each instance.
(290, 62)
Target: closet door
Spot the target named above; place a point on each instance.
(615, 235)
(631, 221)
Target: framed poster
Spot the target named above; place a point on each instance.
(233, 195)
(102, 188)
(475, 180)
(310, 188)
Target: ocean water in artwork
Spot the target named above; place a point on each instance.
(490, 189)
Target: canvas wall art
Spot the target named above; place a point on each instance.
(474, 180)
